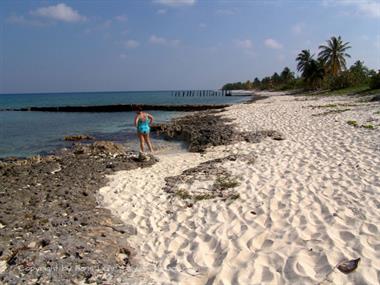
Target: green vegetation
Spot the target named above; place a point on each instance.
(225, 182)
(355, 124)
(234, 196)
(222, 182)
(352, 123)
(326, 72)
(328, 106)
(183, 194)
(333, 56)
(201, 197)
(331, 112)
(362, 89)
(369, 126)
(374, 82)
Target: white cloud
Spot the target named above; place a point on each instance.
(157, 40)
(297, 29)
(121, 18)
(176, 2)
(272, 43)
(369, 8)
(161, 11)
(163, 41)
(132, 44)
(59, 12)
(244, 44)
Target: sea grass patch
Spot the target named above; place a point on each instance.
(353, 123)
(208, 180)
(368, 126)
(331, 112)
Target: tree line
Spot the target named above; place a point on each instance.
(327, 71)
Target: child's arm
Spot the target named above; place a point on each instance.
(136, 120)
(150, 118)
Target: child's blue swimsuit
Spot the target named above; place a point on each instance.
(143, 126)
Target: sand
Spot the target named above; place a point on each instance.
(306, 204)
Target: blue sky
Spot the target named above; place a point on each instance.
(55, 46)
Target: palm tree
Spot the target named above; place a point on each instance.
(333, 55)
(304, 58)
(286, 75)
(314, 73)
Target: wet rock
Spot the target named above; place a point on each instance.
(206, 129)
(107, 147)
(79, 138)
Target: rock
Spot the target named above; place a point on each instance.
(79, 138)
(143, 157)
(108, 147)
(348, 266)
(53, 168)
(205, 129)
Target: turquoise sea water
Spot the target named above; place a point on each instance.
(24, 134)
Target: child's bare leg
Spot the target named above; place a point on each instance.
(141, 138)
(149, 143)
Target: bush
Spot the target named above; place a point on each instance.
(343, 80)
(374, 82)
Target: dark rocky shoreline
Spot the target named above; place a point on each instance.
(52, 228)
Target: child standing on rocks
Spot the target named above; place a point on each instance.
(142, 122)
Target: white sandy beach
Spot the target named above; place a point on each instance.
(307, 203)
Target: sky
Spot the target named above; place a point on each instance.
(68, 46)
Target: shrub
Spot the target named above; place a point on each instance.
(374, 82)
(341, 81)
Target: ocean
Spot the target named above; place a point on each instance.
(23, 134)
